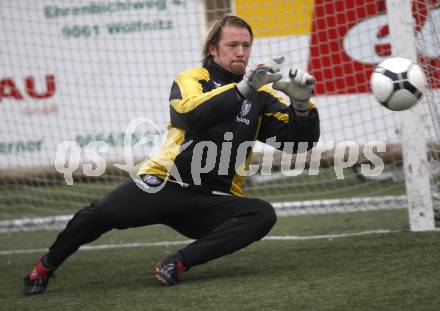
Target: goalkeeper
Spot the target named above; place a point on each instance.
(220, 101)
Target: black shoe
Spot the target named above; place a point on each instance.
(36, 281)
(168, 271)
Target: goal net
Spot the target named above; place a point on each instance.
(82, 81)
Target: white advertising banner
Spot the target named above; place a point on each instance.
(82, 70)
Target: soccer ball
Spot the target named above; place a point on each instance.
(398, 83)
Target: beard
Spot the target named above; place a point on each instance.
(238, 68)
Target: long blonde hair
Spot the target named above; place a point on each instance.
(215, 30)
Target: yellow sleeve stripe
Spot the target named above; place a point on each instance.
(192, 91)
(188, 81)
(272, 92)
(194, 98)
(312, 105)
(160, 164)
(283, 117)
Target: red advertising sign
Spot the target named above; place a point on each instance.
(350, 37)
(9, 88)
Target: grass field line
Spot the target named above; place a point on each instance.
(184, 242)
(283, 209)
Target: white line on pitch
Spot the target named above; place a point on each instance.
(327, 236)
(183, 242)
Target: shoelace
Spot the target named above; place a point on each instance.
(169, 269)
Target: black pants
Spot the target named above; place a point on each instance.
(220, 224)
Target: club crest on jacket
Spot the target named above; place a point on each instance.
(245, 108)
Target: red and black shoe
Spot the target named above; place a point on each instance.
(168, 271)
(36, 281)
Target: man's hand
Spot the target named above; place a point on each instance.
(299, 88)
(260, 74)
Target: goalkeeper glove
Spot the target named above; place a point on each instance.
(260, 74)
(299, 88)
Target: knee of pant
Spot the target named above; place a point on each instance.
(266, 217)
(88, 216)
(86, 211)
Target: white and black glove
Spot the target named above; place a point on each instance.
(299, 88)
(260, 74)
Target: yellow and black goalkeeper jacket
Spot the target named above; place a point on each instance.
(211, 125)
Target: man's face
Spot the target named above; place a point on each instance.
(233, 49)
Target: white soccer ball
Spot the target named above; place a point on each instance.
(398, 83)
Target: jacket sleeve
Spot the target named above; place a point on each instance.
(280, 121)
(193, 105)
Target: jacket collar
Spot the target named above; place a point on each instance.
(222, 75)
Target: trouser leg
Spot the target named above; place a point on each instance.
(87, 224)
(221, 224)
(125, 207)
(79, 231)
(224, 228)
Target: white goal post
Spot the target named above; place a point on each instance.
(415, 160)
